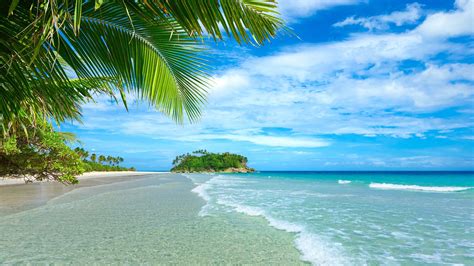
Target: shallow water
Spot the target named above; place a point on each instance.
(356, 218)
(265, 218)
(151, 220)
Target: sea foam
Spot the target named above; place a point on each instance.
(388, 186)
(201, 190)
(311, 247)
(343, 182)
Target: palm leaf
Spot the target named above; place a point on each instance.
(147, 47)
(159, 61)
(247, 21)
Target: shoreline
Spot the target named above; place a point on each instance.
(17, 196)
(153, 219)
(6, 181)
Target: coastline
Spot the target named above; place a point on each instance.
(88, 175)
(138, 221)
(16, 195)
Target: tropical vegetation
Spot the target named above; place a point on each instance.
(39, 153)
(98, 162)
(204, 161)
(57, 55)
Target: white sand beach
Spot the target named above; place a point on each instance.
(4, 181)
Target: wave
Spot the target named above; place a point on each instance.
(201, 190)
(388, 186)
(311, 247)
(343, 182)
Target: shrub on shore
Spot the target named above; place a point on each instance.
(39, 153)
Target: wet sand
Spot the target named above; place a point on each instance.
(16, 196)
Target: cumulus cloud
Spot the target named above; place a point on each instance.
(450, 24)
(360, 83)
(273, 141)
(369, 85)
(292, 10)
(410, 15)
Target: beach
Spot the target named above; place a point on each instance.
(130, 218)
(16, 195)
(284, 218)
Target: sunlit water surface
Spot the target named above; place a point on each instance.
(356, 218)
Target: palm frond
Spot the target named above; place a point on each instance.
(149, 47)
(159, 61)
(247, 21)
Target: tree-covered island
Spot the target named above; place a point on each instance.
(204, 161)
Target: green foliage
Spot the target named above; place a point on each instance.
(56, 55)
(90, 166)
(204, 161)
(39, 153)
(104, 163)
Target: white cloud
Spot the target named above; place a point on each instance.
(450, 24)
(272, 141)
(291, 10)
(231, 81)
(410, 15)
(354, 86)
(316, 88)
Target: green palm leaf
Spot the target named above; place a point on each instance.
(248, 21)
(159, 61)
(148, 47)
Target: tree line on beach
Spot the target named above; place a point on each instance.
(96, 162)
(57, 55)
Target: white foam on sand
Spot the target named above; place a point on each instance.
(201, 190)
(343, 182)
(312, 248)
(388, 186)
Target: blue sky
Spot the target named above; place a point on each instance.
(368, 85)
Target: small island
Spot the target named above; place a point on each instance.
(204, 161)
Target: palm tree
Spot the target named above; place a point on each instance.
(102, 159)
(93, 157)
(109, 160)
(83, 154)
(55, 55)
(117, 160)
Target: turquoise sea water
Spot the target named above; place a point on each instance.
(347, 218)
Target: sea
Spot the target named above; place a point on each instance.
(265, 218)
(355, 218)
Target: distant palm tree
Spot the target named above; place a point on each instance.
(102, 159)
(109, 160)
(83, 154)
(56, 55)
(93, 157)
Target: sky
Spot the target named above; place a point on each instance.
(365, 85)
